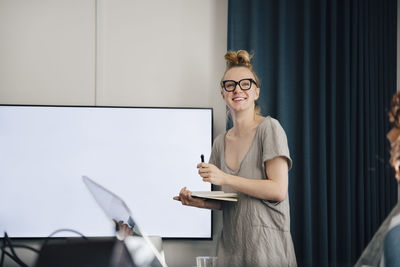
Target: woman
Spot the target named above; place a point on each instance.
(391, 249)
(394, 134)
(251, 159)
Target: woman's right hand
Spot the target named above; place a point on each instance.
(185, 197)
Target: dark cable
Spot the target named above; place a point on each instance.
(19, 262)
(27, 247)
(67, 230)
(2, 253)
(16, 258)
(61, 230)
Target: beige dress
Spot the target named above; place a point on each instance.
(255, 232)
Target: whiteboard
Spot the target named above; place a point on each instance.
(144, 155)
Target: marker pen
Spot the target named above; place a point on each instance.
(202, 157)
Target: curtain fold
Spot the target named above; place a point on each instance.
(328, 71)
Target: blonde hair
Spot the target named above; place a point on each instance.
(394, 112)
(394, 119)
(241, 58)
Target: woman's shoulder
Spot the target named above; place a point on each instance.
(219, 140)
(270, 123)
(271, 128)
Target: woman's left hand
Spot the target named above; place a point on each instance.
(211, 173)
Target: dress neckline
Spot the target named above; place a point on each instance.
(248, 151)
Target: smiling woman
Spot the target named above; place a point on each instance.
(252, 159)
(237, 59)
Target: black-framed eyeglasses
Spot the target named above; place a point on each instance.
(244, 84)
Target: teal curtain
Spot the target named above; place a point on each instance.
(328, 71)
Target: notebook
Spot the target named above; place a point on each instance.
(216, 195)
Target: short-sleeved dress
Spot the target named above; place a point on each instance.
(255, 232)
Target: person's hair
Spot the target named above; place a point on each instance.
(394, 112)
(241, 58)
(394, 118)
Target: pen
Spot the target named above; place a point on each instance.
(202, 157)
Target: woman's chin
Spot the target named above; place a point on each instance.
(239, 109)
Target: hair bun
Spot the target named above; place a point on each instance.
(239, 58)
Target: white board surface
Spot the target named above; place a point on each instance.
(144, 155)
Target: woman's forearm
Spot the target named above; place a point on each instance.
(212, 204)
(263, 189)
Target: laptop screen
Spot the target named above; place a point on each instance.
(142, 250)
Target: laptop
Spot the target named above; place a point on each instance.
(141, 249)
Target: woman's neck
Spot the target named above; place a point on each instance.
(243, 122)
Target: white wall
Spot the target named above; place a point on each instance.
(117, 52)
(46, 52)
